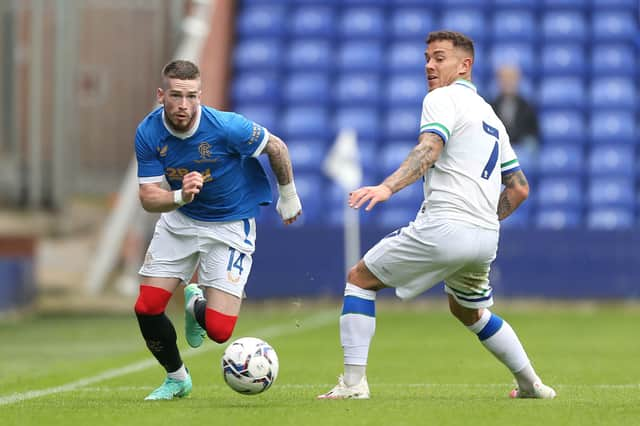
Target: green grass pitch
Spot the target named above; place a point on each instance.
(424, 368)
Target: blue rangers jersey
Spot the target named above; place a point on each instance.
(223, 147)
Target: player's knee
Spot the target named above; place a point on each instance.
(219, 326)
(151, 300)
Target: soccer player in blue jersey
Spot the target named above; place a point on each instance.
(216, 185)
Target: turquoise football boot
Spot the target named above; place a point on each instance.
(192, 330)
(171, 388)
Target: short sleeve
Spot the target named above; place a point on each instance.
(245, 137)
(508, 159)
(438, 114)
(150, 168)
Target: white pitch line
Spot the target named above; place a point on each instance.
(378, 385)
(315, 321)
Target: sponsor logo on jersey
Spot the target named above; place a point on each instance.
(255, 134)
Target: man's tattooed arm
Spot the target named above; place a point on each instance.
(425, 153)
(516, 190)
(279, 159)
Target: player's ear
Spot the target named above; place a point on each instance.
(465, 65)
(160, 95)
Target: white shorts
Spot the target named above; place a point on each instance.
(423, 253)
(221, 250)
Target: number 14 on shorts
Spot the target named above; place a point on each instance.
(235, 263)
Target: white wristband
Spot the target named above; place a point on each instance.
(177, 198)
(287, 191)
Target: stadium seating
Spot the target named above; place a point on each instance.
(610, 219)
(514, 25)
(564, 126)
(308, 68)
(612, 160)
(619, 92)
(564, 25)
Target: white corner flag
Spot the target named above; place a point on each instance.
(342, 164)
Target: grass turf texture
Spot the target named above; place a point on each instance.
(424, 368)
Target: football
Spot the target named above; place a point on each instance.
(249, 365)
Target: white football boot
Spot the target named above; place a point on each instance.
(342, 391)
(540, 391)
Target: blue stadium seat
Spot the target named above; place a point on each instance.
(402, 124)
(365, 121)
(563, 59)
(306, 88)
(520, 54)
(559, 192)
(257, 54)
(610, 218)
(406, 90)
(558, 218)
(612, 192)
(355, 89)
(406, 57)
(563, 126)
(312, 21)
(261, 20)
(631, 5)
(411, 23)
(614, 26)
(255, 87)
(613, 59)
(562, 92)
(618, 92)
(306, 154)
(306, 122)
(565, 4)
(612, 160)
(311, 54)
(561, 160)
(264, 115)
(514, 25)
(392, 155)
(362, 55)
(469, 21)
(565, 25)
(519, 4)
(362, 22)
(613, 127)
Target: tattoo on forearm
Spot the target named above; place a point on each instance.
(414, 166)
(504, 206)
(280, 161)
(507, 205)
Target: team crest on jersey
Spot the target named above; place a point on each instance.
(255, 134)
(205, 150)
(162, 151)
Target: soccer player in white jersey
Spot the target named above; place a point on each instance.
(217, 184)
(463, 154)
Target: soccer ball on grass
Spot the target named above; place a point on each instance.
(249, 365)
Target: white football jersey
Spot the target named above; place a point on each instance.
(465, 182)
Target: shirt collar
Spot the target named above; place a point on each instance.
(188, 133)
(466, 83)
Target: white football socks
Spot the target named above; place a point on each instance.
(357, 327)
(499, 338)
(179, 374)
